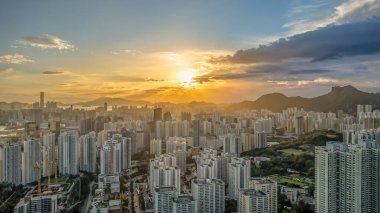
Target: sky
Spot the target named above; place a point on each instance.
(218, 51)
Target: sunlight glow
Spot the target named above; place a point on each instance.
(186, 77)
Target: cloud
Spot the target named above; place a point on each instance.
(6, 70)
(127, 51)
(317, 81)
(14, 59)
(332, 42)
(46, 42)
(52, 72)
(349, 11)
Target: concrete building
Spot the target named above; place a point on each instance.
(208, 194)
(164, 172)
(87, 152)
(49, 153)
(156, 146)
(232, 144)
(239, 173)
(10, 164)
(269, 187)
(31, 156)
(184, 203)
(68, 153)
(347, 177)
(251, 200)
(163, 198)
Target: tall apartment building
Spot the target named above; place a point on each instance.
(49, 153)
(68, 153)
(208, 194)
(87, 152)
(164, 172)
(347, 177)
(163, 198)
(156, 146)
(269, 187)
(30, 157)
(10, 163)
(184, 203)
(166, 199)
(239, 172)
(251, 200)
(232, 144)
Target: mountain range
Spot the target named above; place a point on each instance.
(344, 98)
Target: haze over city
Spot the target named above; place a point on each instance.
(181, 51)
(190, 106)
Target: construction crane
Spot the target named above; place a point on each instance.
(56, 171)
(49, 170)
(37, 168)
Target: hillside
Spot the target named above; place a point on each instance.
(344, 98)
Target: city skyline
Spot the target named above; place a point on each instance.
(186, 51)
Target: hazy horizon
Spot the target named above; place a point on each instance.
(183, 51)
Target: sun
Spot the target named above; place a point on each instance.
(186, 77)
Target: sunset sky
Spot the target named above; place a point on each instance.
(216, 51)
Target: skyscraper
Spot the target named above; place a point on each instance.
(164, 172)
(68, 156)
(269, 187)
(239, 172)
(196, 132)
(30, 156)
(208, 194)
(155, 146)
(49, 153)
(42, 100)
(126, 153)
(87, 152)
(251, 200)
(347, 177)
(232, 144)
(10, 163)
(184, 203)
(163, 198)
(157, 114)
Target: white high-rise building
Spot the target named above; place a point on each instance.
(184, 203)
(251, 200)
(110, 158)
(126, 153)
(269, 187)
(87, 150)
(175, 143)
(239, 172)
(260, 140)
(207, 165)
(347, 177)
(164, 172)
(41, 204)
(223, 161)
(181, 156)
(10, 163)
(177, 146)
(232, 144)
(263, 125)
(247, 141)
(160, 129)
(156, 146)
(208, 194)
(49, 153)
(68, 153)
(163, 197)
(30, 157)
